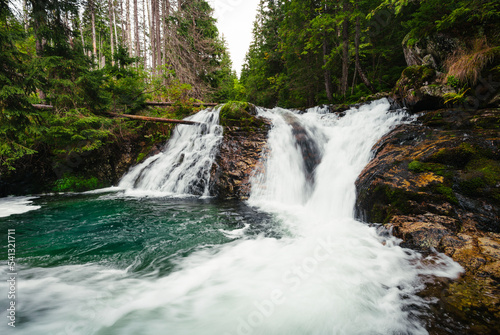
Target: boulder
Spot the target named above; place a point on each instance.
(431, 51)
(417, 89)
(436, 185)
(242, 147)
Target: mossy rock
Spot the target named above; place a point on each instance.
(242, 115)
(415, 76)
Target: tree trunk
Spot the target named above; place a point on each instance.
(92, 16)
(345, 49)
(114, 25)
(144, 34)
(123, 24)
(158, 36)
(129, 29)
(327, 72)
(25, 15)
(152, 35)
(166, 14)
(153, 119)
(81, 35)
(358, 64)
(136, 31)
(38, 15)
(110, 12)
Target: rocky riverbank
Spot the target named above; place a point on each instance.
(436, 184)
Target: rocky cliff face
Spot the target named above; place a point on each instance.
(436, 184)
(241, 150)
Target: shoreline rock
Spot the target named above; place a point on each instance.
(436, 185)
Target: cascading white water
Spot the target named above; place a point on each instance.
(183, 168)
(326, 274)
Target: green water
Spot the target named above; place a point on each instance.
(140, 234)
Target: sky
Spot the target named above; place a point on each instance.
(235, 22)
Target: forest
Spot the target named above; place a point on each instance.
(309, 52)
(87, 58)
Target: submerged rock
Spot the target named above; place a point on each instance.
(436, 184)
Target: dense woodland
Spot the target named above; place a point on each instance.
(308, 52)
(87, 58)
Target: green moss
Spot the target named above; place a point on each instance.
(448, 193)
(416, 166)
(488, 169)
(417, 75)
(480, 179)
(457, 157)
(237, 114)
(472, 186)
(76, 184)
(392, 201)
(140, 157)
(439, 169)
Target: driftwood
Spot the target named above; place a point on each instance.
(167, 104)
(153, 119)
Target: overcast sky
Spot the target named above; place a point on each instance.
(235, 21)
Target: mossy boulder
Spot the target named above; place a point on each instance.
(416, 76)
(418, 89)
(242, 115)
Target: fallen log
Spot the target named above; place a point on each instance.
(167, 104)
(41, 106)
(153, 119)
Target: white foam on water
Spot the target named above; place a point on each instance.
(16, 205)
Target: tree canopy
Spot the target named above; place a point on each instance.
(308, 52)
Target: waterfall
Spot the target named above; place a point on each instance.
(342, 148)
(183, 167)
(310, 268)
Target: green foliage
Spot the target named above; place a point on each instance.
(76, 184)
(76, 131)
(237, 113)
(297, 47)
(19, 122)
(452, 81)
(456, 98)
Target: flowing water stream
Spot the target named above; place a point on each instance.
(158, 256)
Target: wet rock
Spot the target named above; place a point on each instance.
(437, 184)
(242, 147)
(308, 147)
(422, 232)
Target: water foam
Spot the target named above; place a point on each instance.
(183, 168)
(16, 205)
